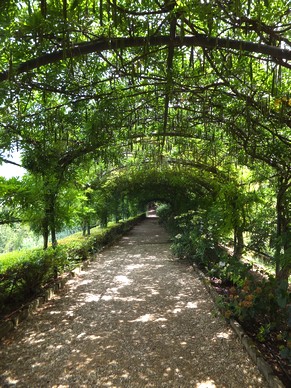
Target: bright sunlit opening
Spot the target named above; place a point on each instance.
(8, 170)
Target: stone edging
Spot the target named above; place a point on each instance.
(254, 353)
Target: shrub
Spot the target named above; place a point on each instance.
(24, 274)
(164, 211)
(167, 218)
(198, 239)
(230, 270)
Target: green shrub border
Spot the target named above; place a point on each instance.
(26, 274)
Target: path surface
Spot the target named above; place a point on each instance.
(135, 318)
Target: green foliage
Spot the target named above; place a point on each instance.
(116, 99)
(201, 234)
(164, 212)
(166, 216)
(24, 274)
(252, 300)
(264, 332)
(262, 226)
(183, 247)
(230, 269)
(14, 237)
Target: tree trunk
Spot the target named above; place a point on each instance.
(238, 242)
(283, 241)
(104, 221)
(45, 235)
(50, 219)
(54, 236)
(238, 217)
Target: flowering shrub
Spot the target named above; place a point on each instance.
(263, 306)
(258, 305)
(254, 300)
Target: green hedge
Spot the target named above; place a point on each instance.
(24, 274)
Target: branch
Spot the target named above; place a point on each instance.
(103, 44)
(200, 166)
(10, 221)
(170, 58)
(137, 13)
(10, 162)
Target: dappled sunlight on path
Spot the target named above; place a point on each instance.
(135, 318)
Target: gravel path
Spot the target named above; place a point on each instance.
(135, 318)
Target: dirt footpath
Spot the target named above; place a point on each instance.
(135, 318)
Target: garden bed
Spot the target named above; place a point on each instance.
(269, 340)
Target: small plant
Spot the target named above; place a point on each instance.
(263, 332)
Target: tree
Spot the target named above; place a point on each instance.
(201, 85)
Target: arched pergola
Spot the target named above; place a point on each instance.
(90, 87)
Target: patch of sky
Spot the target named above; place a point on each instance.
(8, 170)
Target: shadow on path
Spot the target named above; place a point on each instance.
(135, 318)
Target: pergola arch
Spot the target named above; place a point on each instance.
(181, 187)
(113, 104)
(196, 83)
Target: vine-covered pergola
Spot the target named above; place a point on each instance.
(103, 96)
